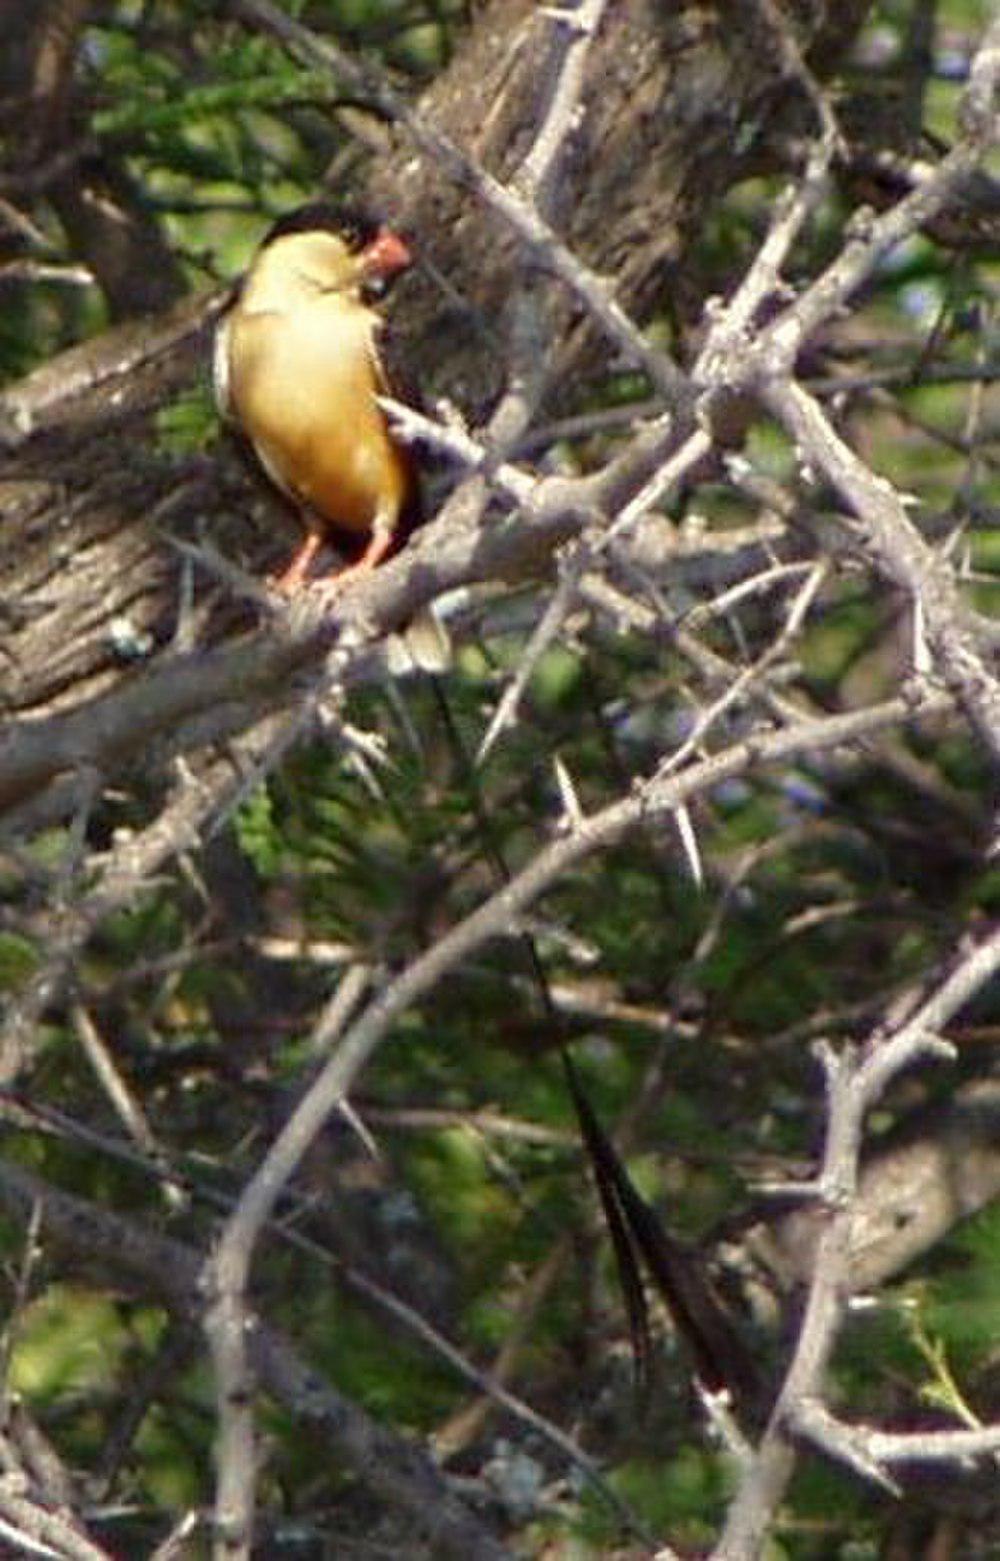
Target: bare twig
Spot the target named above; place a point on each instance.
(490, 1384)
(130, 866)
(575, 25)
(854, 1082)
(902, 553)
(124, 1103)
(406, 1478)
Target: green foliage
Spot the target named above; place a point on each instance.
(963, 1306)
(189, 423)
(70, 1343)
(387, 1373)
(830, 1518)
(452, 1170)
(258, 834)
(18, 958)
(681, 1496)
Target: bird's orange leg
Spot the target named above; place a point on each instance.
(378, 546)
(293, 575)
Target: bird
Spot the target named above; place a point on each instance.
(298, 371)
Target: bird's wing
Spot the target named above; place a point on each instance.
(394, 366)
(222, 384)
(221, 376)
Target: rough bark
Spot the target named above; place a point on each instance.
(673, 92)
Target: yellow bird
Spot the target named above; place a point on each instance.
(297, 368)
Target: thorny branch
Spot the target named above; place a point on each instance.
(205, 698)
(170, 1270)
(856, 1079)
(228, 1271)
(230, 1268)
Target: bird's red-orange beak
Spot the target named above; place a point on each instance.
(385, 257)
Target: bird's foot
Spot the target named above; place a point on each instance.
(287, 584)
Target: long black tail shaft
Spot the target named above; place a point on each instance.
(721, 1357)
(638, 1237)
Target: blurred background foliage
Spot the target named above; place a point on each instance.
(831, 886)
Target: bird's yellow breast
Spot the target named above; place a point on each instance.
(304, 385)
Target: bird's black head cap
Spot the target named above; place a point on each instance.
(357, 225)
